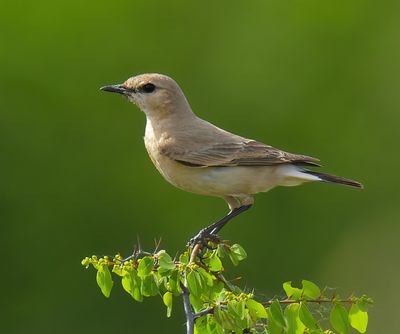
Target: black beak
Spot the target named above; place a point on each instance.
(120, 89)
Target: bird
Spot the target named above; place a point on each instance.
(199, 157)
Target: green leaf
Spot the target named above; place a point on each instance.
(294, 324)
(117, 270)
(167, 299)
(223, 318)
(256, 309)
(218, 315)
(241, 308)
(239, 251)
(358, 318)
(212, 326)
(339, 319)
(214, 262)
(165, 262)
(145, 266)
(277, 314)
(162, 282)
(196, 303)
(272, 326)
(212, 293)
(236, 309)
(194, 283)
(200, 326)
(174, 282)
(208, 279)
(184, 257)
(292, 292)
(131, 284)
(221, 250)
(233, 258)
(237, 254)
(239, 315)
(307, 318)
(149, 285)
(310, 290)
(104, 280)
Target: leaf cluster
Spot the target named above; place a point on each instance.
(219, 306)
(298, 312)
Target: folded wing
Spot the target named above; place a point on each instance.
(237, 153)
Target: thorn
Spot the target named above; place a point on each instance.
(175, 257)
(236, 279)
(157, 244)
(138, 243)
(134, 254)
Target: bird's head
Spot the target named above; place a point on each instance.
(153, 93)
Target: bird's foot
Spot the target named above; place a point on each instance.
(203, 238)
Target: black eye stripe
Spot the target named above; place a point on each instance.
(148, 88)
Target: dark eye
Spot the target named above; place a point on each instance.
(148, 88)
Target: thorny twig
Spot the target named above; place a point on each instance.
(190, 315)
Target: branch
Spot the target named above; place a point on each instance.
(204, 312)
(316, 301)
(190, 315)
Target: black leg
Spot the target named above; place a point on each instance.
(216, 227)
(213, 229)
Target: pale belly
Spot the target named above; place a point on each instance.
(219, 181)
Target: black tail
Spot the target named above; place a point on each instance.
(335, 179)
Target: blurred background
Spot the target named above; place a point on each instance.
(311, 77)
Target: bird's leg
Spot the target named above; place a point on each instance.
(216, 227)
(210, 232)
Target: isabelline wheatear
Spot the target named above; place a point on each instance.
(196, 156)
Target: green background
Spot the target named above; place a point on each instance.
(313, 77)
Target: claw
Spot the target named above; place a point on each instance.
(210, 233)
(203, 238)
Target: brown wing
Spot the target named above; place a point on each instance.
(244, 153)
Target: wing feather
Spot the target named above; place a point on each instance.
(236, 153)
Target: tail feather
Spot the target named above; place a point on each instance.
(334, 179)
